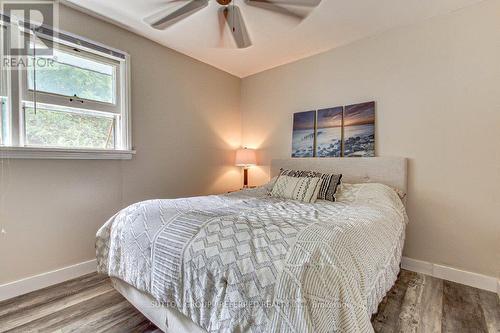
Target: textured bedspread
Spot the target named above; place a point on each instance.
(247, 262)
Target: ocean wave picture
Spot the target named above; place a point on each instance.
(303, 136)
(359, 130)
(329, 132)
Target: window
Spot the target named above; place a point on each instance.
(51, 126)
(76, 73)
(74, 99)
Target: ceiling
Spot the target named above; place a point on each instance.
(277, 39)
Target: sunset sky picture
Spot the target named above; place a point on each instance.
(335, 132)
(360, 114)
(331, 117)
(329, 132)
(304, 120)
(359, 130)
(303, 134)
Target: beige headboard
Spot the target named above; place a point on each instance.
(391, 171)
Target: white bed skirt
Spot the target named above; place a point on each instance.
(167, 319)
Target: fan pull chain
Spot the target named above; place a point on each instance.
(232, 17)
(34, 73)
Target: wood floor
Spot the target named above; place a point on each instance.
(420, 303)
(89, 304)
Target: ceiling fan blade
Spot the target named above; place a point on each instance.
(236, 24)
(306, 3)
(272, 6)
(163, 22)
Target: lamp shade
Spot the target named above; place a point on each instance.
(246, 157)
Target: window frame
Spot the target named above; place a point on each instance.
(18, 93)
(5, 82)
(63, 100)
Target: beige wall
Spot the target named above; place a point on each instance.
(186, 123)
(437, 87)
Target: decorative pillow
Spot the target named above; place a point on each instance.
(329, 185)
(297, 188)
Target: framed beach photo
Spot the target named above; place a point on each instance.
(359, 130)
(303, 137)
(329, 132)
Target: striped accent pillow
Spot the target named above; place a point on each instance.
(303, 189)
(329, 185)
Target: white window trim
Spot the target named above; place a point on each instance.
(15, 151)
(65, 154)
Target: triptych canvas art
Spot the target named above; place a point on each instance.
(335, 132)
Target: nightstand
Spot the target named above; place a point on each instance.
(241, 189)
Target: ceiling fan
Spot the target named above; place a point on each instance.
(230, 14)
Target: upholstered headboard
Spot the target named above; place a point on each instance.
(391, 171)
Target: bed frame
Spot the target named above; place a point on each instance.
(391, 171)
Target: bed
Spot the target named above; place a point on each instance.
(246, 262)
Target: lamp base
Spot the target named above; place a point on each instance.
(245, 177)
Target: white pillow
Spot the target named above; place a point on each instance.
(346, 189)
(303, 189)
(269, 185)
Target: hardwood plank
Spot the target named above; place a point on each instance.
(129, 323)
(431, 306)
(409, 315)
(386, 319)
(20, 318)
(146, 327)
(109, 322)
(93, 321)
(461, 309)
(490, 304)
(49, 294)
(76, 314)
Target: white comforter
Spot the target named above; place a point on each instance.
(248, 262)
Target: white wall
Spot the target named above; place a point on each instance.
(186, 123)
(437, 88)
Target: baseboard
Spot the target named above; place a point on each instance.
(40, 281)
(475, 280)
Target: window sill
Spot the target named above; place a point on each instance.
(64, 154)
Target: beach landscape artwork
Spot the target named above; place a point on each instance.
(359, 130)
(303, 137)
(329, 132)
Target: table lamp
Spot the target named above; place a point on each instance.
(245, 158)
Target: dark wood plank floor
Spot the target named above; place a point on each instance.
(416, 303)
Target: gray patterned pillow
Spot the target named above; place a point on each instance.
(303, 189)
(329, 185)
